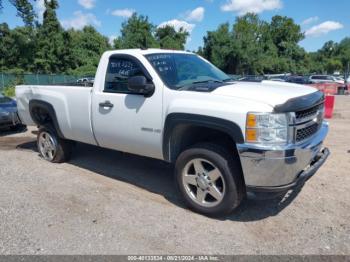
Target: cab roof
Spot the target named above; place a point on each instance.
(146, 51)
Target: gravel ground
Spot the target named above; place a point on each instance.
(106, 202)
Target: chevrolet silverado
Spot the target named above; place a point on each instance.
(225, 138)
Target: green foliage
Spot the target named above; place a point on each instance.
(87, 48)
(9, 89)
(84, 70)
(254, 46)
(219, 49)
(48, 48)
(248, 46)
(14, 47)
(24, 10)
(136, 32)
(52, 54)
(343, 51)
(169, 38)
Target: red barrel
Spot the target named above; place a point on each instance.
(329, 106)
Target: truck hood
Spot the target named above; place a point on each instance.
(269, 92)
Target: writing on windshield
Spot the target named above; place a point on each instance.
(178, 70)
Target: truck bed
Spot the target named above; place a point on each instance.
(72, 104)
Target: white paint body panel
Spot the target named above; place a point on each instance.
(268, 92)
(71, 103)
(80, 118)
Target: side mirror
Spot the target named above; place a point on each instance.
(139, 85)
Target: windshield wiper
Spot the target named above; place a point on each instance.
(187, 86)
(208, 81)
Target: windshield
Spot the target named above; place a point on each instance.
(181, 70)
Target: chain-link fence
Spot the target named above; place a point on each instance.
(35, 79)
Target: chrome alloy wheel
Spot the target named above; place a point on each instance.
(47, 146)
(203, 182)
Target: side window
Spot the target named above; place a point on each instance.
(118, 72)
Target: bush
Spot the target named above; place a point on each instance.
(10, 88)
(9, 91)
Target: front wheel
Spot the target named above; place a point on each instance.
(209, 179)
(51, 147)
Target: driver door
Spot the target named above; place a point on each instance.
(123, 120)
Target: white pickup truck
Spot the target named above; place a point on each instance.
(224, 137)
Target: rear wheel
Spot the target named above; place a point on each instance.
(51, 147)
(209, 179)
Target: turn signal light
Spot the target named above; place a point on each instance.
(251, 135)
(251, 120)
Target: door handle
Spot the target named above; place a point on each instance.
(106, 104)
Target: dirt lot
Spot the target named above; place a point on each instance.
(112, 203)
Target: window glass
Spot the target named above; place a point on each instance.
(118, 72)
(320, 77)
(178, 70)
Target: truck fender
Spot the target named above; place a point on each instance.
(173, 120)
(49, 109)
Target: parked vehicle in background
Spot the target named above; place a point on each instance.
(225, 138)
(251, 78)
(302, 80)
(83, 80)
(277, 79)
(339, 78)
(325, 78)
(8, 113)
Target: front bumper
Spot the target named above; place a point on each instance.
(281, 168)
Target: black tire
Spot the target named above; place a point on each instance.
(63, 147)
(231, 174)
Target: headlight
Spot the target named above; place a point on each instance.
(267, 128)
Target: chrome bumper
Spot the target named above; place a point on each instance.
(280, 168)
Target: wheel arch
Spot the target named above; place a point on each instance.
(43, 113)
(183, 130)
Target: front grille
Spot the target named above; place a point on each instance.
(306, 132)
(308, 114)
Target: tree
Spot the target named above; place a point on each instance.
(14, 48)
(87, 47)
(7, 42)
(24, 10)
(245, 49)
(343, 52)
(254, 46)
(248, 46)
(247, 37)
(169, 38)
(218, 48)
(53, 54)
(136, 32)
(285, 34)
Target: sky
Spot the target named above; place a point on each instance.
(321, 20)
